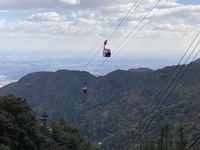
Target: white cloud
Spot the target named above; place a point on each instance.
(169, 27)
(91, 20)
(48, 16)
(189, 12)
(87, 14)
(52, 23)
(71, 2)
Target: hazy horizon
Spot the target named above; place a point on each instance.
(16, 65)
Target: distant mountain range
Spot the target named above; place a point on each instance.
(15, 65)
(115, 103)
(142, 69)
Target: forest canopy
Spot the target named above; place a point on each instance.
(21, 130)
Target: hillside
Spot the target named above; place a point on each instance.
(115, 103)
(20, 130)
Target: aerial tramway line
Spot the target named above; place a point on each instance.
(106, 51)
(149, 116)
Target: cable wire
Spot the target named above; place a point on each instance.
(169, 92)
(193, 143)
(139, 30)
(114, 31)
(129, 33)
(125, 18)
(142, 26)
(171, 82)
(165, 84)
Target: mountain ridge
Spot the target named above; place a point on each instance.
(115, 102)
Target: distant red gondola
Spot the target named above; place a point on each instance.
(84, 88)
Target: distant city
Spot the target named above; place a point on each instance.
(13, 67)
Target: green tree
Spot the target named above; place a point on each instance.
(149, 147)
(18, 125)
(67, 137)
(20, 130)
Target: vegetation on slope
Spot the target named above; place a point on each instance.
(20, 130)
(166, 141)
(115, 103)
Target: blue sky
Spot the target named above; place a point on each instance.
(82, 25)
(194, 2)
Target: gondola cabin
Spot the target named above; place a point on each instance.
(106, 52)
(84, 90)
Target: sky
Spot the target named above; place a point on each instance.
(71, 28)
(40, 34)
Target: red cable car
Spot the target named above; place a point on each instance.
(84, 88)
(106, 52)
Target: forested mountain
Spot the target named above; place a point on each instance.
(20, 130)
(112, 109)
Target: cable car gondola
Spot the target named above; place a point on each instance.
(106, 52)
(84, 88)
